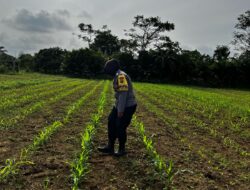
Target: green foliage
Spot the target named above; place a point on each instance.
(49, 60)
(105, 42)
(26, 62)
(221, 53)
(242, 33)
(83, 62)
(11, 168)
(87, 32)
(7, 63)
(150, 31)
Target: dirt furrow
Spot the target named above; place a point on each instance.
(133, 171)
(14, 139)
(194, 171)
(52, 168)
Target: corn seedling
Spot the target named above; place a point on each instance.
(79, 167)
(43, 137)
(165, 169)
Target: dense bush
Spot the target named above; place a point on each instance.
(26, 62)
(7, 63)
(83, 62)
(49, 60)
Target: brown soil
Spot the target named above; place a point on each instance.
(51, 162)
(184, 114)
(12, 140)
(195, 171)
(133, 171)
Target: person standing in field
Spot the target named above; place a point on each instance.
(121, 114)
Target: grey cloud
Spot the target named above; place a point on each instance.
(28, 43)
(42, 21)
(85, 14)
(65, 13)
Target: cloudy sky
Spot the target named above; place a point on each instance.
(29, 25)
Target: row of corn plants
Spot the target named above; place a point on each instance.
(20, 83)
(79, 166)
(212, 107)
(216, 161)
(18, 92)
(202, 152)
(238, 96)
(24, 112)
(203, 97)
(210, 122)
(235, 122)
(215, 104)
(12, 166)
(172, 105)
(164, 169)
(33, 95)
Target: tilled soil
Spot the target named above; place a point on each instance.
(51, 167)
(12, 140)
(195, 171)
(133, 171)
(200, 161)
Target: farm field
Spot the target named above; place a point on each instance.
(180, 138)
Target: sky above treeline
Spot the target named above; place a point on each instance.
(29, 25)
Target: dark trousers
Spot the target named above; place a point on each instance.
(117, 127)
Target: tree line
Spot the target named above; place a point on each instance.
(147, 54)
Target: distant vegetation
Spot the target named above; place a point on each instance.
(147, 54)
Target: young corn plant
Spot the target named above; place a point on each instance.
(12, 166)
(80, 166)
(164, 169)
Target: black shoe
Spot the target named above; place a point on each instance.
(120, 153)
(106, 149)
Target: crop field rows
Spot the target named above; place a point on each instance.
(180, 137)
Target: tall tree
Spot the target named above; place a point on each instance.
(105, 41)
(128, 46)
(49, 60)
(221, 53)
(148, 30)
(242, 33)
(88, 33)
(26, 62)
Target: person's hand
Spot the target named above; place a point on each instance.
(120, 114)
